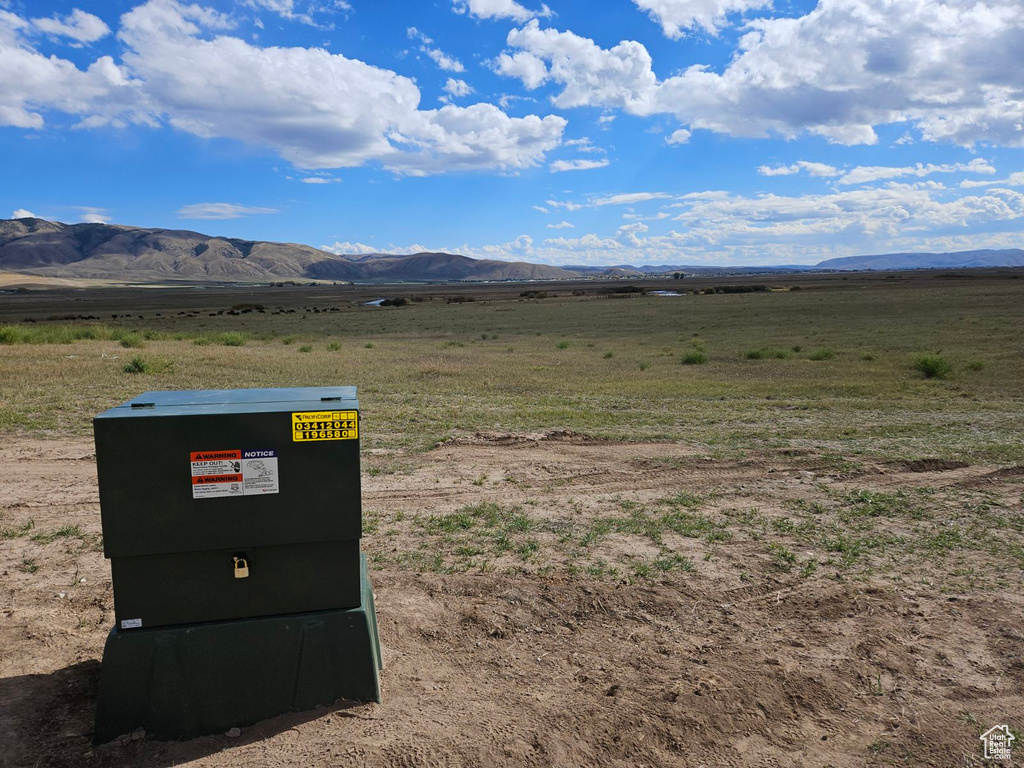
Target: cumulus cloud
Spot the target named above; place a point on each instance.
(313, 108)
(31, 83)
(954, 71)
(580, 164)
(589, 75)
(498, 9)
(221, 211)
(677, 17)
(680, 136)
(21, 213)
(457, 88)
(78, 25)
(717, 227)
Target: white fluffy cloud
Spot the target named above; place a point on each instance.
(953, 70)
(78, 25)
(31, 82)
(680, 136)
(457, 88)
(1013, 180)
(498, 9)
(580, 164)
(313, 108)
(814, 169)
(589, 75)
(221, 211)
(679, 16)
(869, 173)
(717, 227)
(22, 213)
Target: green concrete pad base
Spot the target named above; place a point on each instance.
(195, 680)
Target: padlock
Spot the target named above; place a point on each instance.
(241, 568)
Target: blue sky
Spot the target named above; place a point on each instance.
(626, 131)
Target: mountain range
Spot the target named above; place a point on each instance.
(107, 251)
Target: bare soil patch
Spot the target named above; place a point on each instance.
(547, 633)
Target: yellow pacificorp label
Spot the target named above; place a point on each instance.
(325, 425)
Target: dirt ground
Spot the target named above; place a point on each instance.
(748, 656)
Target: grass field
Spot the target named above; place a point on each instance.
(837, 368)
(783, 526)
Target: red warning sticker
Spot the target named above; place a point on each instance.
(234, 473)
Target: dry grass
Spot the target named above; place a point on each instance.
(610, 368)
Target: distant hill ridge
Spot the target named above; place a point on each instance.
(110, 251)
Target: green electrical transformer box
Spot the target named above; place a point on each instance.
(221, 508)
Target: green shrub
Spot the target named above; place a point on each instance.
(933, 366)
(609, 355)
(234, 340)
(333, 347)
(822, 354)
(202, 341)
(563, 345)
(289, 339)
(10, 334)
(137, 365)
(368, 345)
(132, 341)
(767, 353)
(696, 357)
(306, 348)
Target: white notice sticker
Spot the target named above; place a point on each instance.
(131, 623)
(259, 472)
(234, 473)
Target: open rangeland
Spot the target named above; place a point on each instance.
(771, 528)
